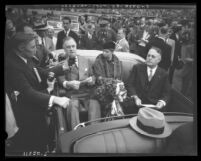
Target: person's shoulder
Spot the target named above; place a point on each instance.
(162, 71)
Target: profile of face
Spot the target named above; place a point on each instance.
(107, 54)
(153, 58)
(66, 24)
(120, 34)
(70, 47)
(28, 50)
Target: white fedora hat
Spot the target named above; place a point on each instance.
(150, 122)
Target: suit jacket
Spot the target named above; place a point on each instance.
(84, 71)
(61, 35)
(177, 51)
(90, 44)
(122, 45)
(171, 42)
(149, 92)
(32, 102)
(166, 51)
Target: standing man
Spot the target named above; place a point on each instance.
(160, 42)
(50, 34)
(65, 33)
(33, 98)
(148, 83)
(78, 80)
(121, 44)
(89, 39)
(176, 36)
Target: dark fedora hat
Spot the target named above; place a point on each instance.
(109, 45)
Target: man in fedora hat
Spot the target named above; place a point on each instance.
(148, 83)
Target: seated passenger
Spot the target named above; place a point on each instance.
(108, 70)
(77, 80)
(148, 83)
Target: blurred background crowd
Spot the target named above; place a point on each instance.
(139, 27)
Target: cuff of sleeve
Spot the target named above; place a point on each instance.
(51, 101)
(64, 84)
(164, 103)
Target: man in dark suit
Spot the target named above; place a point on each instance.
(34, 96)
(176, 36)
(78, 80)
(148, 83)
(65, 33)
(89, 39)
(160, 42)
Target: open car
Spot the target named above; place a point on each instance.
(115, 135)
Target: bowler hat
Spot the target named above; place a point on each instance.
(150, 122)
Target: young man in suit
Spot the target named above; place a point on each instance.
(77, 80)
(34, 97)
(121, 44)
(65, 33)
(148, 83)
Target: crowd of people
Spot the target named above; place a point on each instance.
(30, 58)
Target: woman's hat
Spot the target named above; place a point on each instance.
(150, 122)
(109, 45)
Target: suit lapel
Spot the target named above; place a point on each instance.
(144, 76)
(155, 78)
(83, 68)
(26, 69)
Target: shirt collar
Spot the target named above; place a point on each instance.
(153, 70)
(67, 32)
(25, 60)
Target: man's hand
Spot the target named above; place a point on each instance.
(50, 85)
(90, 80)
(159, 105)
(61, 101)
(137, 100)
(74, 84)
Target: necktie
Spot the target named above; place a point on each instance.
(150, 75)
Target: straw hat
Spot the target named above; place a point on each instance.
(150, 122)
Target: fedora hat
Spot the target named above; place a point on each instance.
(150, 122)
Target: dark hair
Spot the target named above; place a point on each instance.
(66, 18)
(158, 50)
(20, 27)
(163, 30)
